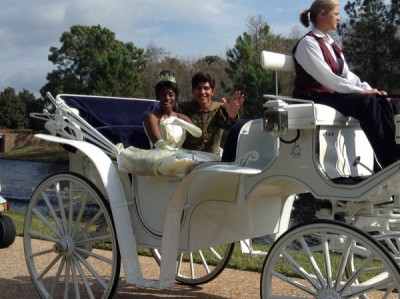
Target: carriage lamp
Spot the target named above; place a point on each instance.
(275, 117)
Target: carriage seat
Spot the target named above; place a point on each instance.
(301, 114)
(120, 120)
(310, 115)
(340, 138)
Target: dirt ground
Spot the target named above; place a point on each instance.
(15, 282)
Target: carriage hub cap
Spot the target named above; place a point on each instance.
(64, 246)
(329, 294)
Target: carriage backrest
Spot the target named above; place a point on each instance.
(277, 61)
(119, 119)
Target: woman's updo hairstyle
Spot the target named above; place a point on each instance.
(316, 7)
(166, 78)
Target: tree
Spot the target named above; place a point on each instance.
(245, 70)
(371, 42)
(154, 56)
(184, 68)
(15, 110)
(92, 61)
(12, 110)
(180, 67)
(32, 105)
(264, 39)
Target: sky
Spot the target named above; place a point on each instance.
(184, 28)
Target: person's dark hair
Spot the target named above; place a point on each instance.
(166, 78)
(315, 8)
(202, 77)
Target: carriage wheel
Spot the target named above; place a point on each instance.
(70, 243)
(312, 261)
(195, 268)
(386, 226)
(391, 242)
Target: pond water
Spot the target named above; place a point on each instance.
(20, 178)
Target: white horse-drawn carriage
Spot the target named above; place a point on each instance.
(96, 216)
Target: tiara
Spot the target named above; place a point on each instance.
(167, 77)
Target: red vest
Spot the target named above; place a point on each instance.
(304, 83)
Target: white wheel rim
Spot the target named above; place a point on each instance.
(73, 222)
(322, 265)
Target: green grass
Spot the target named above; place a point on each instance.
(18, 218)
(41, 151)
(248, 262)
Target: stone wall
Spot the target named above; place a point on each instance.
(12, 139)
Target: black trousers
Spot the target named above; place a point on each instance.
(376, 117)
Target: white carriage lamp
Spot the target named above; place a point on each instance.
(275, 117)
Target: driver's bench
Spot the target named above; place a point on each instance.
(341, 142)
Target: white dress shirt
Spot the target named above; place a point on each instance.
(309, 55)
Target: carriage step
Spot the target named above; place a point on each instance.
(151, 283)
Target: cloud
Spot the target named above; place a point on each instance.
(183, 28)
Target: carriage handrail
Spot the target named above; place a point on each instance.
(291, 99)
(69, 124)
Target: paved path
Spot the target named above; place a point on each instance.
(15, 282)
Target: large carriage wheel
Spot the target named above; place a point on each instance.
(195, 268)
(70, 243)
(312, 260)
(387, 232)
(391, 242)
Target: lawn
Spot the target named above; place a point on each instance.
(41, 151)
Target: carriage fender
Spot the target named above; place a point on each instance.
(173, 215)
(116, 195)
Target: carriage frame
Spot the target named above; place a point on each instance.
(292, 150)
